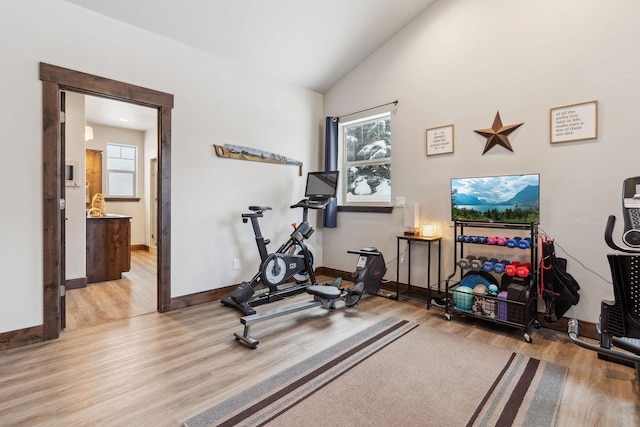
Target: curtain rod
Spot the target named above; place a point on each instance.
(367, 109)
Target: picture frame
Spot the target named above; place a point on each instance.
(440, 140)
(575, 122)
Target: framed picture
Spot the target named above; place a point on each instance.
(576, 122)
(440, 140)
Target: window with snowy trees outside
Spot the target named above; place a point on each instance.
(367, 160)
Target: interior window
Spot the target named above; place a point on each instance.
(121, 170)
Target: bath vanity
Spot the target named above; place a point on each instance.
(108, 247)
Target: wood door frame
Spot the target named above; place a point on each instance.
(54, 80)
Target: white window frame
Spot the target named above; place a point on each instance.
(134, 173)
(349, 199)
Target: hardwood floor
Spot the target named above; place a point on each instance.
(161, 369)
(102, 302)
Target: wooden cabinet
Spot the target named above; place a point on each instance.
(108, 247)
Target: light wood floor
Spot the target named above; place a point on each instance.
(161, 369)
(133, 295)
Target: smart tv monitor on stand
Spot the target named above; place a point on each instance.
(321, 186)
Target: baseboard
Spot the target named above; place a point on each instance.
(21, 337)
(151, 249)
(78, 283)
(200, 298)
(332, 272)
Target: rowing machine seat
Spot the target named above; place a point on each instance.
(330, 291)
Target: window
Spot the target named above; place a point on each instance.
(121, 170)
(366, 160)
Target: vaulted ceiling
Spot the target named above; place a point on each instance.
(307, 43)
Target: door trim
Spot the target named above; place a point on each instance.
(54, 80)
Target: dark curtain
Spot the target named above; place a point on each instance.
(330, 216)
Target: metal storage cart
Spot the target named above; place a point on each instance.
(501, 289)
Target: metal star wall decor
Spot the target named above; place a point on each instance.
(497, 135)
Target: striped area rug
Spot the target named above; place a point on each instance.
(398, 373)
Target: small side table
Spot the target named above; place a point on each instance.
(417, 239)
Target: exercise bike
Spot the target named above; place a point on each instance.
(370, 269)
(293, 259)
(619, 325)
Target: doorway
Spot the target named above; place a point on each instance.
(55, 80)
(97, 290)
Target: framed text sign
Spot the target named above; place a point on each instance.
(575, 122)
(440, 140)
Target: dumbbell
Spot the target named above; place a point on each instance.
(510, 270)
(460, 238)
(501, 241)
(487, 266)
(525, 243)
(499, 267)
(482, 240)
(492, 240)
(476, 264)
(523, 270)
(466, 262)
(466, 239)
(513, 242)
(474, 239)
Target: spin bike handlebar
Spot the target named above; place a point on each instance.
(307, 204)
(311, 204)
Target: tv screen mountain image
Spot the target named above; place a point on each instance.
(505, 198)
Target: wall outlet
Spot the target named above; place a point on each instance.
(236, 264)
(400, 202)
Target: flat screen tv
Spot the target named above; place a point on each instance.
(321, 185)
(506, 199)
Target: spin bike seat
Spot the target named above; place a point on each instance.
(259, 208)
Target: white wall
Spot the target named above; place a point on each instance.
(463, 60)
(75, 224)
(215, 102)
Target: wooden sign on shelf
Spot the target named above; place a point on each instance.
(230, 151)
